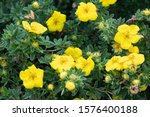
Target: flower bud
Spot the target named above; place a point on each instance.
(50, 87)
(125, 76)
(146, 12)
(18, 23)
(107, 79)
(101, 25)
(35, 4)
(88, 53)
(136, 82)
(70, 85)
(143, 87)
(74, 37)
(35, 44)
(63, 75)
(134, 89)
(73, 76)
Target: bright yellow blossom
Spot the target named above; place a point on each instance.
(56, 22)
(106, 3)
(125, 62)
(70, 85)
(86, 65)
(74, 52)
(32, 77)
(62, 63)
(113, 64)
(34, 27)
(86, 12)
(127, 35)
(136, 59)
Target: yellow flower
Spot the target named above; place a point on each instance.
(113, 64)
(146, 12)
(127, 35)
(143, 87)
(35, 27)
(63, 75)
(134, 59)
(133, 49)
(117, 48)
(86, 12)
(35, 44)
(62, 63)
(74, 52)
(50, 87)
(86, 65)
(56, 22)
(70, 85)
(106, 3)
(35, 4)
(32, 77)
(125, 62)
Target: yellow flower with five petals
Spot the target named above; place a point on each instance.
(74, 52)
(86, 65)
(62, 63)
(127, 35)
(86, 12)
(32, 77)
(56, 22)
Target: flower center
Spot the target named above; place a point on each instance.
(86, 10)
(63, 61)
(55, 21)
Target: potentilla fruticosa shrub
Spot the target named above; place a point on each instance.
(74, 50)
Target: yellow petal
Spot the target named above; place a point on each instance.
(125, 44)
(28, 84)
(134, 49)
(37, 28)
(38, 82)
(124, 28)
(24, 75)
(135, 38)
(26, 26)
(118, 37)
(134, 29)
